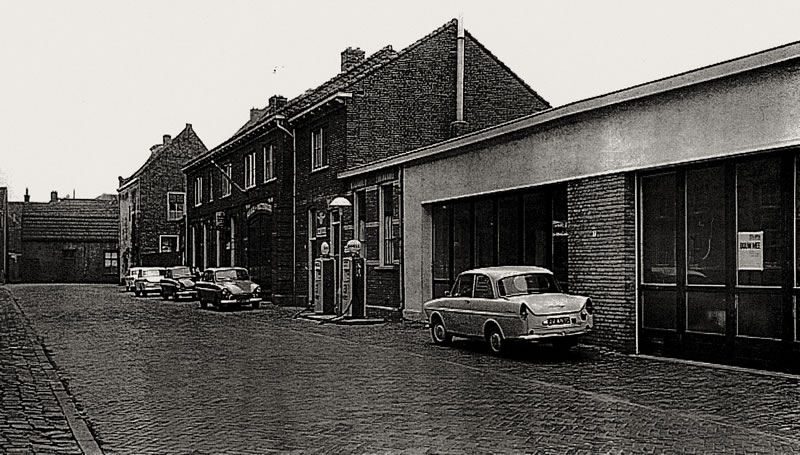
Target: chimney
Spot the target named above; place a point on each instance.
(27, 196)
(167, 137)
(254, 113)
(276, 102)
(54, 196)
(351, 57)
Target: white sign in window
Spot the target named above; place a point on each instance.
(751, 250)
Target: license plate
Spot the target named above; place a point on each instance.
(558, 321)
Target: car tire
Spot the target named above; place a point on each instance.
(256, 305)
(137, 293)
(164, 295)
(203, 303)
(497, 344)
(439, 334)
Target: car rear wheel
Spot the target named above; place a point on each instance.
(164, 295)
(256, 305)
(137, 292)
(203, 303)
(439, 334)
(494, 338)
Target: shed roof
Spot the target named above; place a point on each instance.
(82, 220)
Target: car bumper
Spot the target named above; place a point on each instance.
(240, 301)
(150, 287)
(549, 334)
(186, 293)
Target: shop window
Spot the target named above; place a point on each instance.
(536, 218)
(176, 204)
(705, 312)
(485, 242)
(658, 309)
(462, 237)
(441, 250)
(387, 253)
(760, 314)
(168, 243)
(705, 226)
(760, 230)
(658, 228)
(508, 231)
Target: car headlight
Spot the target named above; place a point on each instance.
(257, 290)
(226, 293)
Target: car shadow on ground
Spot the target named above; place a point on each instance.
(539, 353)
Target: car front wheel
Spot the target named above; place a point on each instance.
(439, 334)
(497, 343)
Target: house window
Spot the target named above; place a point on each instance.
(226, 181)
(110, 259)
(269, 165)
(387, 253)
(319, 158)
(250, 170)
(176, 205)
(198, 191)
(168, 243)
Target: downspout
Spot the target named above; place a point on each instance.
(294, 210)
(401, 175)
(459, 126)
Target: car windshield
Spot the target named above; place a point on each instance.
(233, 274)
(181, 272)
(152, 272)
(530, 283)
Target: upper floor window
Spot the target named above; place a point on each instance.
(269, 166)
(176, 205)
(387, 253)
(319, 158)
(198, 191)
(250, 170)
(226, 180)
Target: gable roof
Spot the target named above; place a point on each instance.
(88, 220)
(338, 84)
(187, 134)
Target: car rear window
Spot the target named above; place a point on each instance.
(532, 283)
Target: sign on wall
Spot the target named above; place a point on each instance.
(321, 230)
(751, 250)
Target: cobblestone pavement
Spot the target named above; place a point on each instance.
(155, 377)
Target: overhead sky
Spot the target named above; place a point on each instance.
(87, 87)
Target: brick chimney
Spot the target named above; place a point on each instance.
(27, 196)
(167, 137)
(276, 102)
(54, 196)
(351, 57)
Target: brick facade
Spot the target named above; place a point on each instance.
(143, 203)
(602, 254)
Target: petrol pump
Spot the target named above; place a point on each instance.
(324, 281)
(354, 283)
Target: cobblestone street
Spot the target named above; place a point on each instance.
(155, 377)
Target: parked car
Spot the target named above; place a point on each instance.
(148, 280)
(133, 272)
(506, 304)
(178, 282)
(227, 286)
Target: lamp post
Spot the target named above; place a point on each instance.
(336, 207)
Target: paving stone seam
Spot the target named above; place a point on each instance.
(80, 429)
(602, 397)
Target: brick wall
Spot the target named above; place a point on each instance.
(47, 262)
(602, 261)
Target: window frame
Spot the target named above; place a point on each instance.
(114, 260)
(161, 239)
(250, 170)
(386, 232)
(226, 181)
(269, 162)
(198, 191)
(183, 209)
(318, 155)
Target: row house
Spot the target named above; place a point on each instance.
(262, 199)
(152, 204)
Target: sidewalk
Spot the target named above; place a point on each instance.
(37, 415)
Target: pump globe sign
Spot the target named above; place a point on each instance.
(751, 250)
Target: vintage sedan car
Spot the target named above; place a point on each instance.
(227, 286)
(133, 272)
(148, 280)
(508, 304)
(178, 282)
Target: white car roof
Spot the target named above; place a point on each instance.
(503, 271)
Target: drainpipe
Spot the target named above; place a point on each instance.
(459, 126)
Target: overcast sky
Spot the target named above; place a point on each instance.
(86, 87)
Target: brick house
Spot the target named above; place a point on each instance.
(64, 240)
(272, 213)
(152, 204)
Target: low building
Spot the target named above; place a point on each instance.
(152, 204)
(673, 204)
(64, 240)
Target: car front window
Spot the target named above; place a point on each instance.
(153, 272)
(226, 275)
(182, 272)
(531, 283)
(463, 286)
